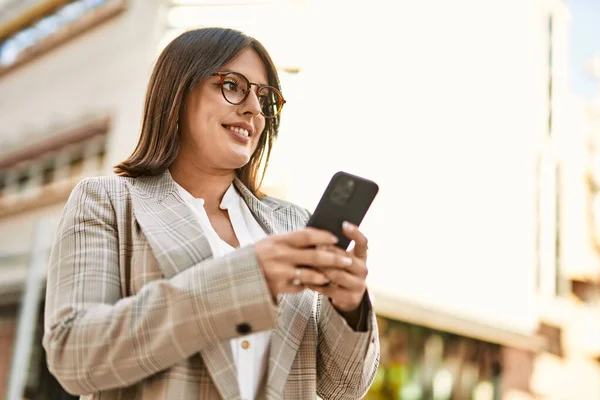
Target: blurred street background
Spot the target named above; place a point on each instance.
(479, 119)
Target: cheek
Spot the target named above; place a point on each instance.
(261, 128)
(257, 138)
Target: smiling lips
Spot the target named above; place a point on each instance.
(237, 129)
(240, 134)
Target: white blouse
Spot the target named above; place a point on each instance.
(250, 352)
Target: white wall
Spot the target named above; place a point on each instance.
(442, 103)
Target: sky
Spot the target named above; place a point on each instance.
(585, 43)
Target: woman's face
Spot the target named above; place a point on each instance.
(215, 134)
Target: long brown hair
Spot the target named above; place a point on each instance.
(188, 60)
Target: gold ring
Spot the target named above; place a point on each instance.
(297, 281)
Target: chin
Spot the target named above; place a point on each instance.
(238, 161)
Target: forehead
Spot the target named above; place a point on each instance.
(249, 63)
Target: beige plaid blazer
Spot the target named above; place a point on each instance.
(137, 308)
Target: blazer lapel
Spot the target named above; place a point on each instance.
(294, 309)
(294, 313)
(263, 211)
(171, 229)
(178, 243)
(218, 360)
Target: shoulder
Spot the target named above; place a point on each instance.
(104, 184)
(279, 204)
(105, 198)
(102, 190)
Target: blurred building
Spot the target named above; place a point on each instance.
(484, 256)
(574, 314)
(569, 314)
(453, 108)
(480, 234)
(72, 81)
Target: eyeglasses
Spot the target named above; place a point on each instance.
(235, 88)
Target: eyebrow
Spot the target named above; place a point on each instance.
(238, 72)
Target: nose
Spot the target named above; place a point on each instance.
(252, 104)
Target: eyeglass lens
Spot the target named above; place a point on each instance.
(236, 88)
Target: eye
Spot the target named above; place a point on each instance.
(234, 85)
(264, 100)
(231, 85)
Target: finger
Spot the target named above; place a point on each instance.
(332, 249)
(309, 276)
(340, 298)
(330, 291)
(308, 237)
(335, 250)
(343, 279)
(358, 266)
(292, 289)
(317, 258)
(360, 241)
(282, 282)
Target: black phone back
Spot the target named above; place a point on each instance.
(347, 198)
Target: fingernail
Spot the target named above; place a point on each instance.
(347, 225)
(347, 261)
(334, 239)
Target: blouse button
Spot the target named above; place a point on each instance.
(245, 344)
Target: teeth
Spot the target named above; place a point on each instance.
(239, 130)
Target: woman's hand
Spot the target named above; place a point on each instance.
(282, 258)
(348, 285)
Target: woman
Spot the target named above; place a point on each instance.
(179, 280)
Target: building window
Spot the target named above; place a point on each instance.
(593, 185)
(559, 284)
(23, 179)
(550, 280)
(2, 183)
(550, 71)
(26, 37)
(45, 172)
(549, 197)
(77, 165)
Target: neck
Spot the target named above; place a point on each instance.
(203, 183)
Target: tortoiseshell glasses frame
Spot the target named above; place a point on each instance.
(235, 88)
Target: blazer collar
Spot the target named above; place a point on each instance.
(161, 187)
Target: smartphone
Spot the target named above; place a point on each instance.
(346, 198)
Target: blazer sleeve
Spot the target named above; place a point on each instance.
(97, 340)
(347, 360)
